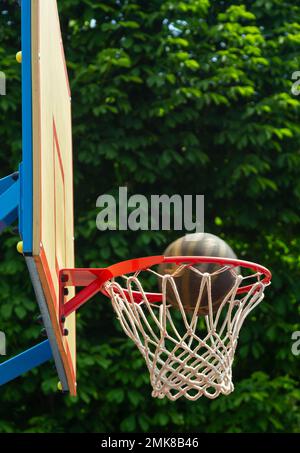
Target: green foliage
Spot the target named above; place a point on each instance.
(189, 97)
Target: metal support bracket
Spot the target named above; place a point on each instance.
(26, 361)
(93, 280)
(9, 200)
(90, 279)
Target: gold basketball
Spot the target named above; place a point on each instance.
(188, 282)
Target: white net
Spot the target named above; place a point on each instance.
(186, 354)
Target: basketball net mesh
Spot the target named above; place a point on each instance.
(181, 360)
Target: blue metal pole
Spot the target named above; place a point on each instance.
(25, 361)
(9, 200)
(26, 168)
(8, 181)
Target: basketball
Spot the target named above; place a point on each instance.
(188, 282)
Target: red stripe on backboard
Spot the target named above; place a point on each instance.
(47, 272)
(58, 150)
(73, 371)
(56, 147)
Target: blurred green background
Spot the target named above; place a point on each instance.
(187, 97)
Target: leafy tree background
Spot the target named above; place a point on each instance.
(188, 97)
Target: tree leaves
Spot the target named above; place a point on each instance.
(170, 97)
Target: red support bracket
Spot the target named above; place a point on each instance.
(92, 281)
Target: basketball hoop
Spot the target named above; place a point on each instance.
(185, 355)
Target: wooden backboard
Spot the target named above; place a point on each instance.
(47, 165)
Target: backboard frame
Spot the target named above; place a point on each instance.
(34, 80)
